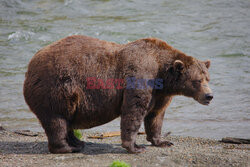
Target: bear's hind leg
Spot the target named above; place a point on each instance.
(56, 129)
(73, 140)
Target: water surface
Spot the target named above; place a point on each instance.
(209, 29)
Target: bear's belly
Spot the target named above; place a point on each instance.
(99, 109)
(90, 119)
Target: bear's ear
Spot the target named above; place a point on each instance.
(207, 63)
(178, 65)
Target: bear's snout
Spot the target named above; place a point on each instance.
(206, 99)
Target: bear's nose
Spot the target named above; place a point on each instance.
(209, 96)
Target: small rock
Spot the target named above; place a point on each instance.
(1, 128)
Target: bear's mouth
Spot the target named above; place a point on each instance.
(206, 102)
(203, 102)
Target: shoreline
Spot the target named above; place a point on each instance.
(17, 149)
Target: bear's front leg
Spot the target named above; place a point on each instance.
(133, 111)
(153, 124)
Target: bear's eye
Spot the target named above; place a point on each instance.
(197, 81)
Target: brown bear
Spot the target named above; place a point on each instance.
(59, 90)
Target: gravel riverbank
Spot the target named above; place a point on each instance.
(20, 150)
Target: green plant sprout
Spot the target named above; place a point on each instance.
(78, 134)
(118, 163)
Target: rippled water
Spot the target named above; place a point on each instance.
(209, 29)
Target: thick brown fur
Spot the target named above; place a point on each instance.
(56, 91)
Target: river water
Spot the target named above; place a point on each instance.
(207, 29)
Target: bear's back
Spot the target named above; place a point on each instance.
(73, 54)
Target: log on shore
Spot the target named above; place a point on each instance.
(233, 140)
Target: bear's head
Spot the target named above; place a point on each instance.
(192, 79)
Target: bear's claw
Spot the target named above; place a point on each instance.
(163, 144)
